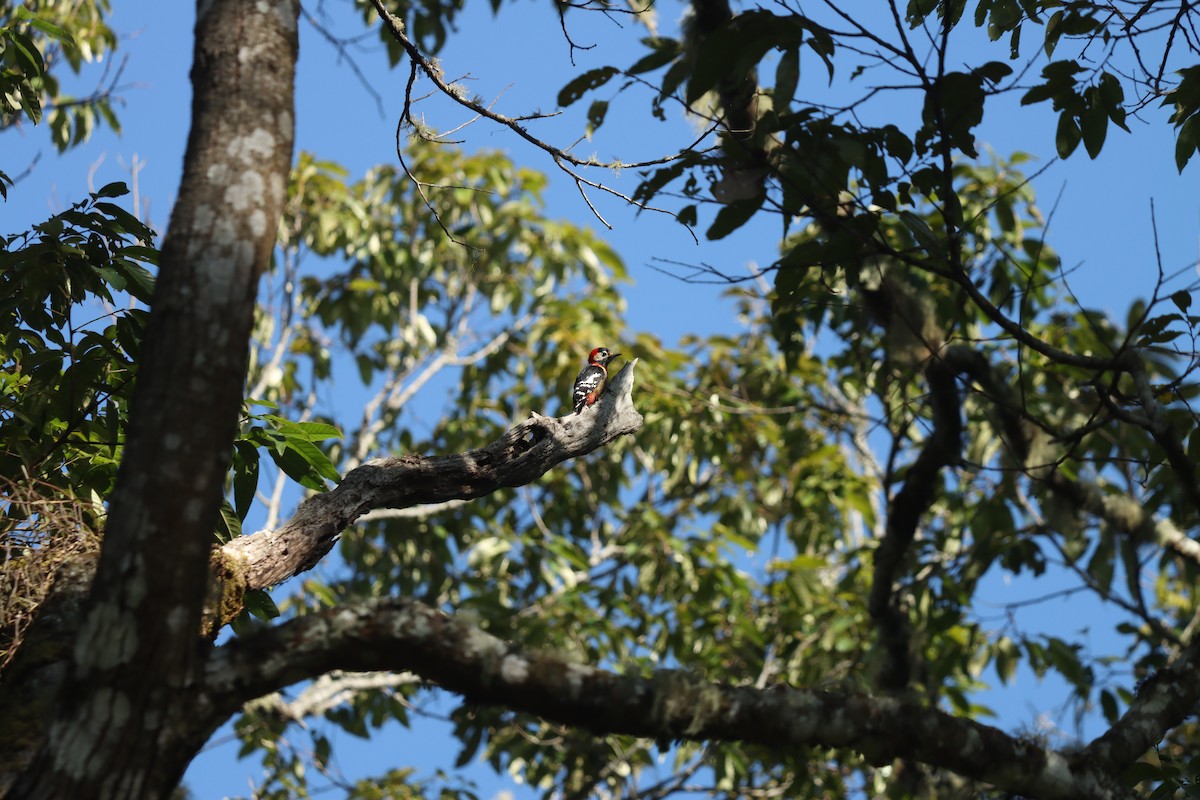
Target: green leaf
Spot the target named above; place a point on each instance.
(1187, 141)
(994, 71)
(1185, 97)
(577, 88)
(31, 103)
(1005, 217)
(665, 50)
(114, 189)
(672, 79)
(649, 187)
(1101, 565)
(242, 625)
(1141, 771)
(595, 115)
(787, 76)
(296, 466)
(1095, 123)
(732, 52)
(929, 241)
(1156, 331)
(918, 10)
(956, 110)
(128, 222)
(322, 592)
(60, 129)
(245, 477)
(322, 750)
(138, 281)
(1112, 96)
(141, 253)
(229, 525)
(53, 31)
(898, 145)
(316, 431)
(1053, 32)
(1108, 705)
(27, 54)
(470, 746)
(1068, 135)
(734, 216)
(315, 458)
(1043, 91)
(1006, 660)
(260, 604)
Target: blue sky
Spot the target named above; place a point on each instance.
(1101, 224)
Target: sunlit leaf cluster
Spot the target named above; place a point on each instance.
(35, 40)
(73, 291)
(912, 404)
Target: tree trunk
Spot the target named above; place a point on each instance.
(125, 723)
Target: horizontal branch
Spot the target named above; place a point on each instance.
(520, 456)
(398, 634)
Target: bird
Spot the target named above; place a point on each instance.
(592, 379)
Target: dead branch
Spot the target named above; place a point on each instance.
(520, 456)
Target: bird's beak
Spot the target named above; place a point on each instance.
(614, 356)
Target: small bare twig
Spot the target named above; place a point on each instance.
(562, 157)
(341, 45)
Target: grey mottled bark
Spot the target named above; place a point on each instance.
(398, 634)
(119, 726)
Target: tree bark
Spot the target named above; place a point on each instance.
(120, 725)
(131, 690)
(401, 635)
(520, 456)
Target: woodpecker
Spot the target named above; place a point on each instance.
(590, 383)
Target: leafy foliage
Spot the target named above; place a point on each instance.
(741, 535)
(730, 538)
(914, 403)
(70, 348)
(34, 45)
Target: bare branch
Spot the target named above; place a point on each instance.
(562, 157)
(342, 46)
(414, 512)
(518, 457)
(399, 634)
(396, 26)
(395, 393)
(328, 692)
